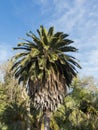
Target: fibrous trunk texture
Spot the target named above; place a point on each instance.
(48, 94)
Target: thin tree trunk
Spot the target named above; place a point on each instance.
(46, 120)
(28, 112)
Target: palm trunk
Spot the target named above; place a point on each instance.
(46, 120)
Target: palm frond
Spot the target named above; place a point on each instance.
(45, 66)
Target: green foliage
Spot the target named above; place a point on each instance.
(14, 114)
(79, 111)
(45, 66)
(47, 69)
(48, 46)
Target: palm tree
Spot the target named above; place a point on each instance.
(46, 69)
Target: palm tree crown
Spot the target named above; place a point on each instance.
(45, 66)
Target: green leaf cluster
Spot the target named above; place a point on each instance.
(44, 54)
(80, 109)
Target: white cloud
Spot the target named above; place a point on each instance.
(89, 63)
(80, 19)
(5, 52)
(43, 1)
(70, 17)
(93, 58)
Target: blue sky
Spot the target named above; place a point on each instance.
(78, 18)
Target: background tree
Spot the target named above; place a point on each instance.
(79, 111)
(46, 68)
(13, 102)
